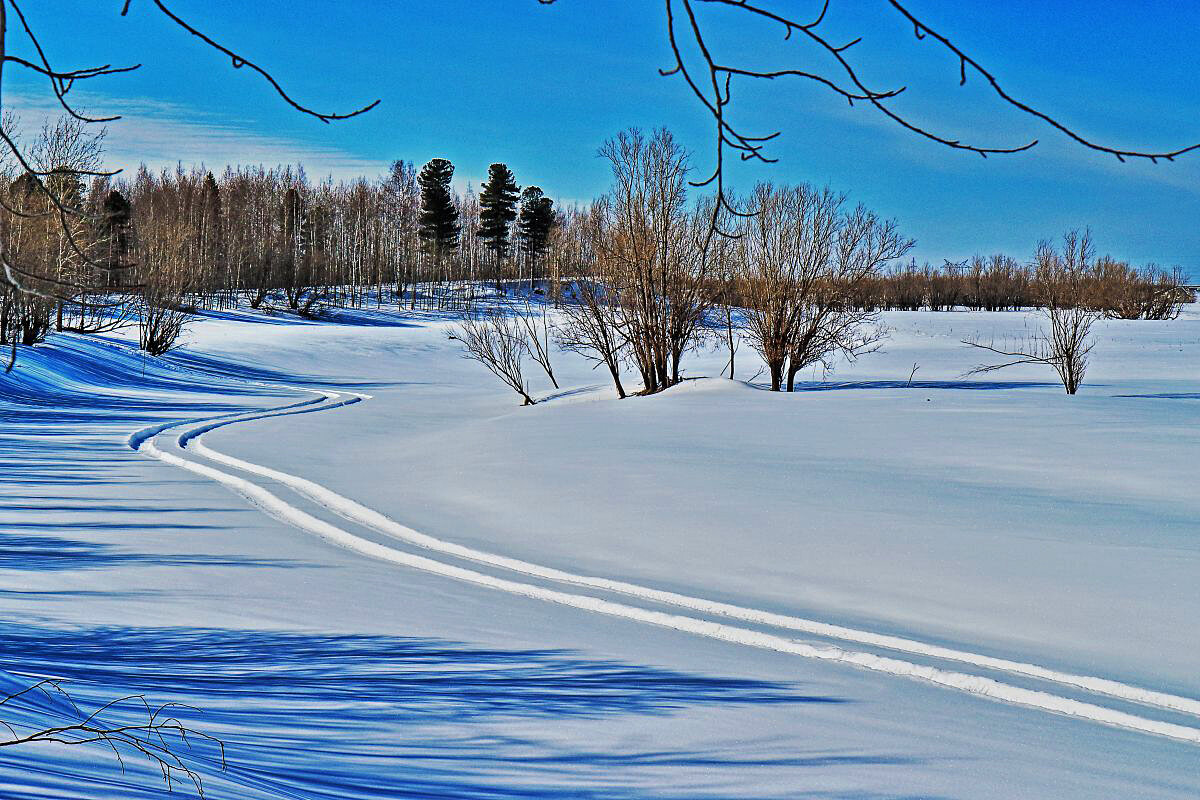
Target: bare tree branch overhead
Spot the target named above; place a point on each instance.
(240, 61)
(27, 281)
(711, 82)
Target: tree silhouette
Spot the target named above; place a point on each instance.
(116, 225)
(536, 222)
(439, 226)
(498, 210)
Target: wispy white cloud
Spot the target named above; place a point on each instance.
(161, 134)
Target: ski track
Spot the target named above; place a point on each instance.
(143, 441)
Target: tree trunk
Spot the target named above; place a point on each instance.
(776, 374)
(616, 376)
(729, 336)
(791, 377)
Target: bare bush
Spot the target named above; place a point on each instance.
(25, 319)
(1063, 278)
(167, 251)
(590, 329)
(161, 316)
(1066, 348)
(537, 335)
(498, 341)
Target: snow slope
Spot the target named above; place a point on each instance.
(829, 591)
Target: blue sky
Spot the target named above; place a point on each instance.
(541, 87)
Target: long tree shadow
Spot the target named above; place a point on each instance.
(366, 717)
(43, 553)
(65, 365)
(1164, 396)
(75, 380)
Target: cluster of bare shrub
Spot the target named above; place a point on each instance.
(657, 276)
(795, 272)
(1001, 283)
(644, 297)
(642, 287)
(502, 340)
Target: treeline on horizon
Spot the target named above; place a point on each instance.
(157, 246)
(1001, 283)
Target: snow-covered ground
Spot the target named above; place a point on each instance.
(950, 587)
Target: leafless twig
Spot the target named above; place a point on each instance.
(711, 82)
(153, 738)
(61, 83)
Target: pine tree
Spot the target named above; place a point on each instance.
(116, 234)
(439, 226)
(537, 221)
(498, 210)
(209, 229)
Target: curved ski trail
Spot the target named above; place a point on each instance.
(355, 512)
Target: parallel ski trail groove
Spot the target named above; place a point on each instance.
(142, 441)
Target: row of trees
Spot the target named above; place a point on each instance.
(152, 248)
(795, 271)
(1002, 283)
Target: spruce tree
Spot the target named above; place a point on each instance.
(498, 210)
(439, 226)
(116, 230)
(537, 221)
(209, 232)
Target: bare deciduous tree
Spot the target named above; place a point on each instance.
(647, 254)
(803, 258)
(832, 326)
(589, 328)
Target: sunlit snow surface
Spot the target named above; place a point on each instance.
(994, 517)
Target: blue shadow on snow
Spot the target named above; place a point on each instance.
(319, 717)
